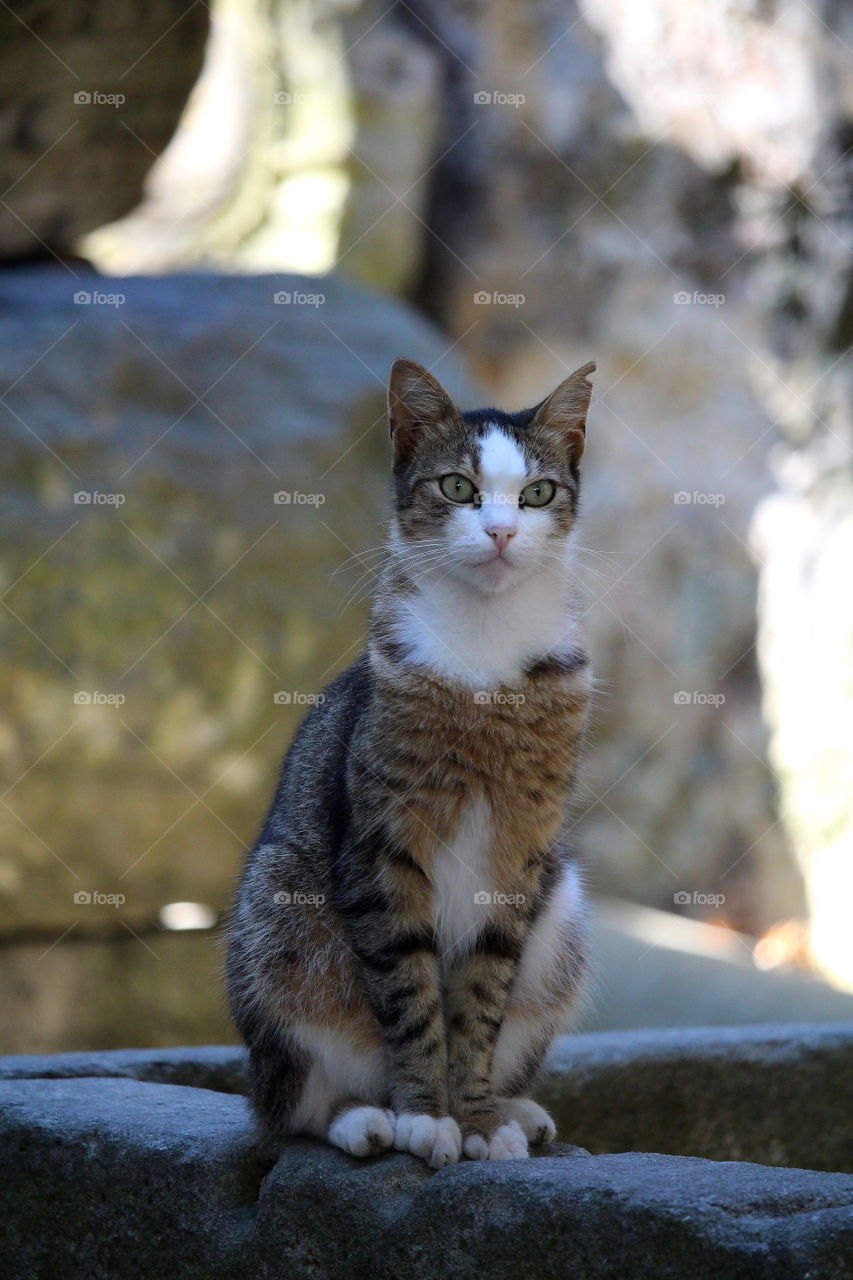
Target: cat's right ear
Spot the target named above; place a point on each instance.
(416, 402)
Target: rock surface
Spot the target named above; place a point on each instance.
(485, 163)
(120, 1175)
(185, 468)
(92, 96)
(666, 189)
(765, 93)
(775, 1094)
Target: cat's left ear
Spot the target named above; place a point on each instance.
(565, 410)
(416, 402)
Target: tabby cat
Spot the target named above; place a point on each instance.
(408, 936)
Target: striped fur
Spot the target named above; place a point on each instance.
(409, 932)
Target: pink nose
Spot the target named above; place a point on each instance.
(501, 538)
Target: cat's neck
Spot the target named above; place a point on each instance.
(478, 640)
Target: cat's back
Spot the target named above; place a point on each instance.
(311, 805)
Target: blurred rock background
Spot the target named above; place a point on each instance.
(502, 192)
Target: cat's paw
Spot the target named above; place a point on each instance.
(533, 1120)
(438, 1141)
(507, 1142)
(362, 1131)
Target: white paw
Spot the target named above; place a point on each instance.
(362, 1131)
(506, 1143)
(439, 1142)
(533, 1120)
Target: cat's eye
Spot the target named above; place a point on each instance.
(538, 494)
(458, 488)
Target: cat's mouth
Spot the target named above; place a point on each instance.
(498, 560)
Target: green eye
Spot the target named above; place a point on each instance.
(457, 488)
(538, 494)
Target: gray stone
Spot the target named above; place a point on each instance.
(773, 1094)
(187, 403)
(615, 167)
(652, 969)
(185, 409)
(791, 209)
(778, 1095)
(118, 1178)
(218, 1067)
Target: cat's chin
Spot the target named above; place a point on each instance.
(490, 577)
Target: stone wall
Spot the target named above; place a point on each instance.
(92, 95)
(138, 1164)
(187, 464)
(510, 170)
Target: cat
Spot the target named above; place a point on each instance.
(409, 932)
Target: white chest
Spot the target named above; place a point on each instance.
(462, 883)
(484, 641)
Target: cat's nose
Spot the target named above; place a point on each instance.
(501, 535)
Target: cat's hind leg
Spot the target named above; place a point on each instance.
(345, 1096)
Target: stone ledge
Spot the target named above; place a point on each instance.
(778, 1095)
(144, 1163)
(120, 1178)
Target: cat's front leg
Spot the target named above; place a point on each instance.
(400, 969)
(477, 990)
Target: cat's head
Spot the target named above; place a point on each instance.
(484, 496)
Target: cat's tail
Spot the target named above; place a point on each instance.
(278, 1071)
(278, 1066)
